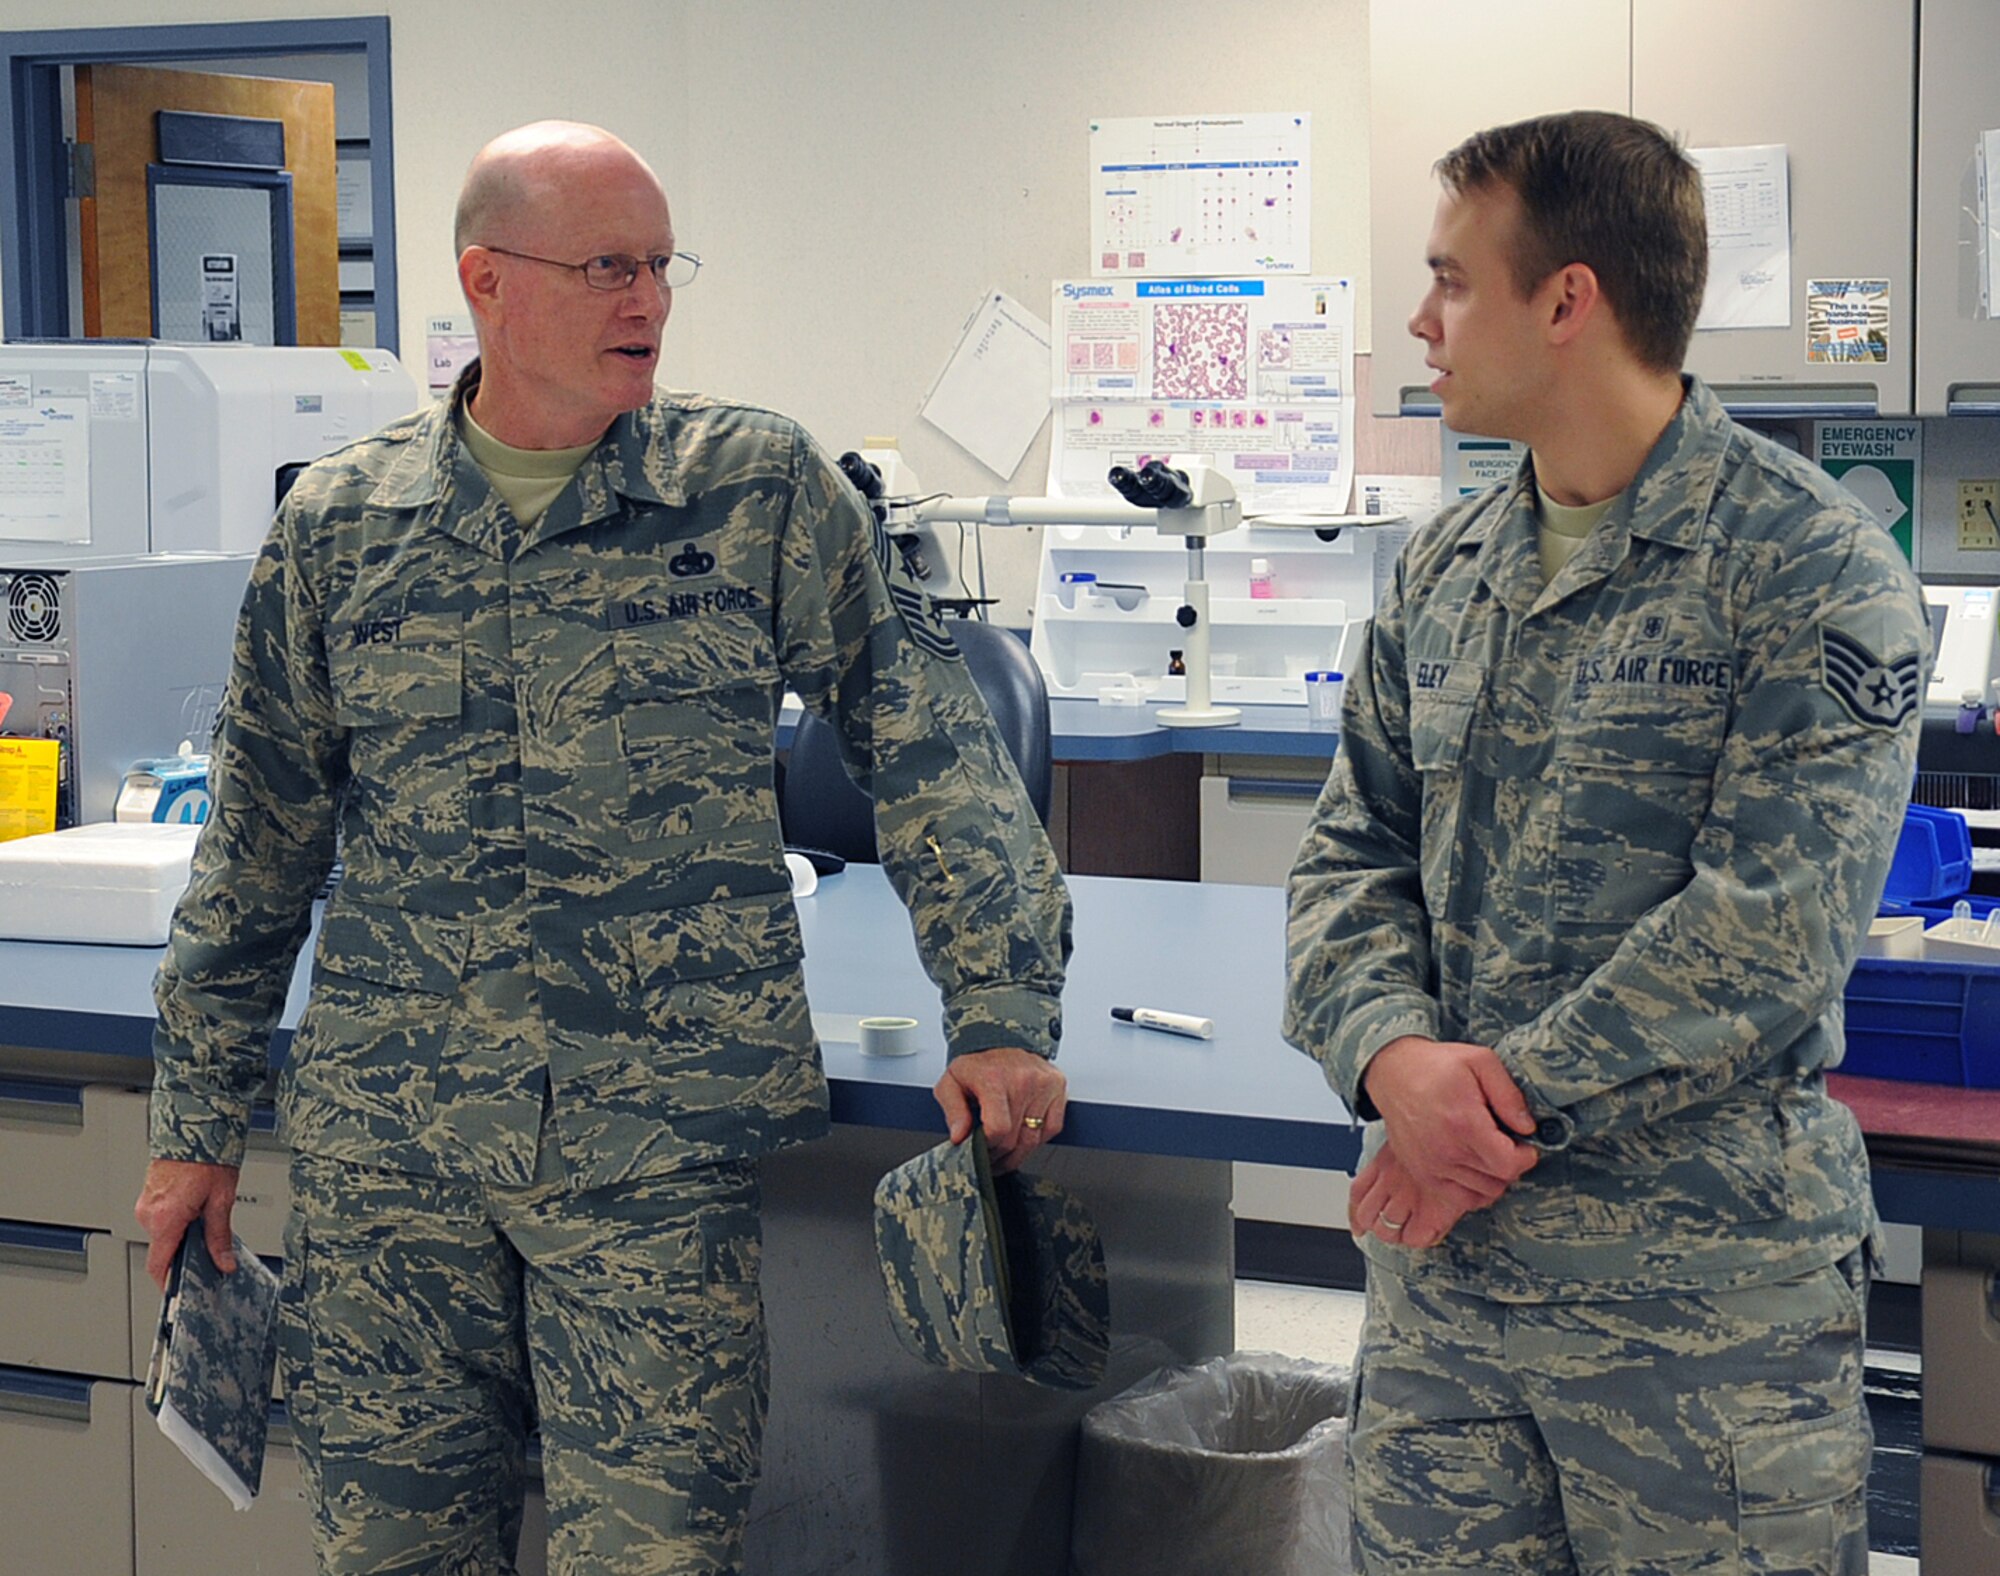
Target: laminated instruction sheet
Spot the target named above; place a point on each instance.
(1201, 194)
(1256, 374)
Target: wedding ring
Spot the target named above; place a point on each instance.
(1033, 1123)
(1393, 1225)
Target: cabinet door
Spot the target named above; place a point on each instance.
(1958, 97)
(1437, 73)
(1831, 80)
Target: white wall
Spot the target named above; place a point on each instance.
(855, 175)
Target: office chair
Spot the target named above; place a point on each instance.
(821, 808)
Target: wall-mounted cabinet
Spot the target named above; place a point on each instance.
(1958, 99)
(1717, 74)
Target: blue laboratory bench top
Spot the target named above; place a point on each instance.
(1209, 950)
(1083, 730)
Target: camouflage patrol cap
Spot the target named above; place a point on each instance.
(992, 1274)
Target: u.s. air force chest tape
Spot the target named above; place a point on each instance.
(1868, 662)
(992, 1274)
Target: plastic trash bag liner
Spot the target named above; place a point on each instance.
(1236, 1464)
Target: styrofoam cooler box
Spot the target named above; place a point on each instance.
(113, 882)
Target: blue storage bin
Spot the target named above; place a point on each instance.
(1924, 1021)
(1933, 857)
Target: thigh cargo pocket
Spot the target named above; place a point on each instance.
(1801, 1494)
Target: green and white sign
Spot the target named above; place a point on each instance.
(1474, 464)
(1881, 463)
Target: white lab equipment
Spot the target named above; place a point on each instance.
(116, 448)
(168, 788)
(118, 659)
(1963, 629)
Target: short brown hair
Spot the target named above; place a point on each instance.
(1611, 192)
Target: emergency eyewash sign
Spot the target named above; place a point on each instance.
(1881, 463)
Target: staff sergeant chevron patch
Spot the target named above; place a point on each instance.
(1876, 693)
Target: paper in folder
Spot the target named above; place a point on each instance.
(209, 1381)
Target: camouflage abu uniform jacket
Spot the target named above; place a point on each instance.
(552, 775)
(1627, 830)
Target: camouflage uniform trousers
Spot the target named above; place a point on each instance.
(425, 1324)
(1716, 1432)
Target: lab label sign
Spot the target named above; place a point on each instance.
(1881, 463)
(221, 298)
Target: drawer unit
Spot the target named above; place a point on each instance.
(186, 1528)
(55, 1153)
(66, 1496)
(1961, 1515)
(64, 1300)
(1962, 1340)
(1254, 813)
(263, 1189)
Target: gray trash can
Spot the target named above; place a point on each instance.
(1234, 1465)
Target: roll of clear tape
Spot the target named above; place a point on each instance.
(888, 1036)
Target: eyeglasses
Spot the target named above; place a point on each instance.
(616, 271)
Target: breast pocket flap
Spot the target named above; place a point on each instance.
(689, 656)
(398, 670)
(393, 947)
(1438, 728)
(736, 936)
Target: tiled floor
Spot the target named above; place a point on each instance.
(1325, 1326)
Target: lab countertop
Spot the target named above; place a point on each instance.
(1207, 950)
(1085, 731)
(1198, 948)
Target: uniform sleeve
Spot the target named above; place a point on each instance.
(275, 774)
(1727, 974)
(960, 841)
(1357, 933)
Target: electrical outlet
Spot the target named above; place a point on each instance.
(1979, 516)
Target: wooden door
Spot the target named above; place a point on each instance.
(115, 114)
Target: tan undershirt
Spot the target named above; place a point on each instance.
(1564, 529)
(527, 480)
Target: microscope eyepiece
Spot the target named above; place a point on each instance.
(866, 477)
(1153, 486)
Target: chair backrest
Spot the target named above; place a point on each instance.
(1011, 682)
(821, 806)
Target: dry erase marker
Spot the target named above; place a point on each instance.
(1166, 1022)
